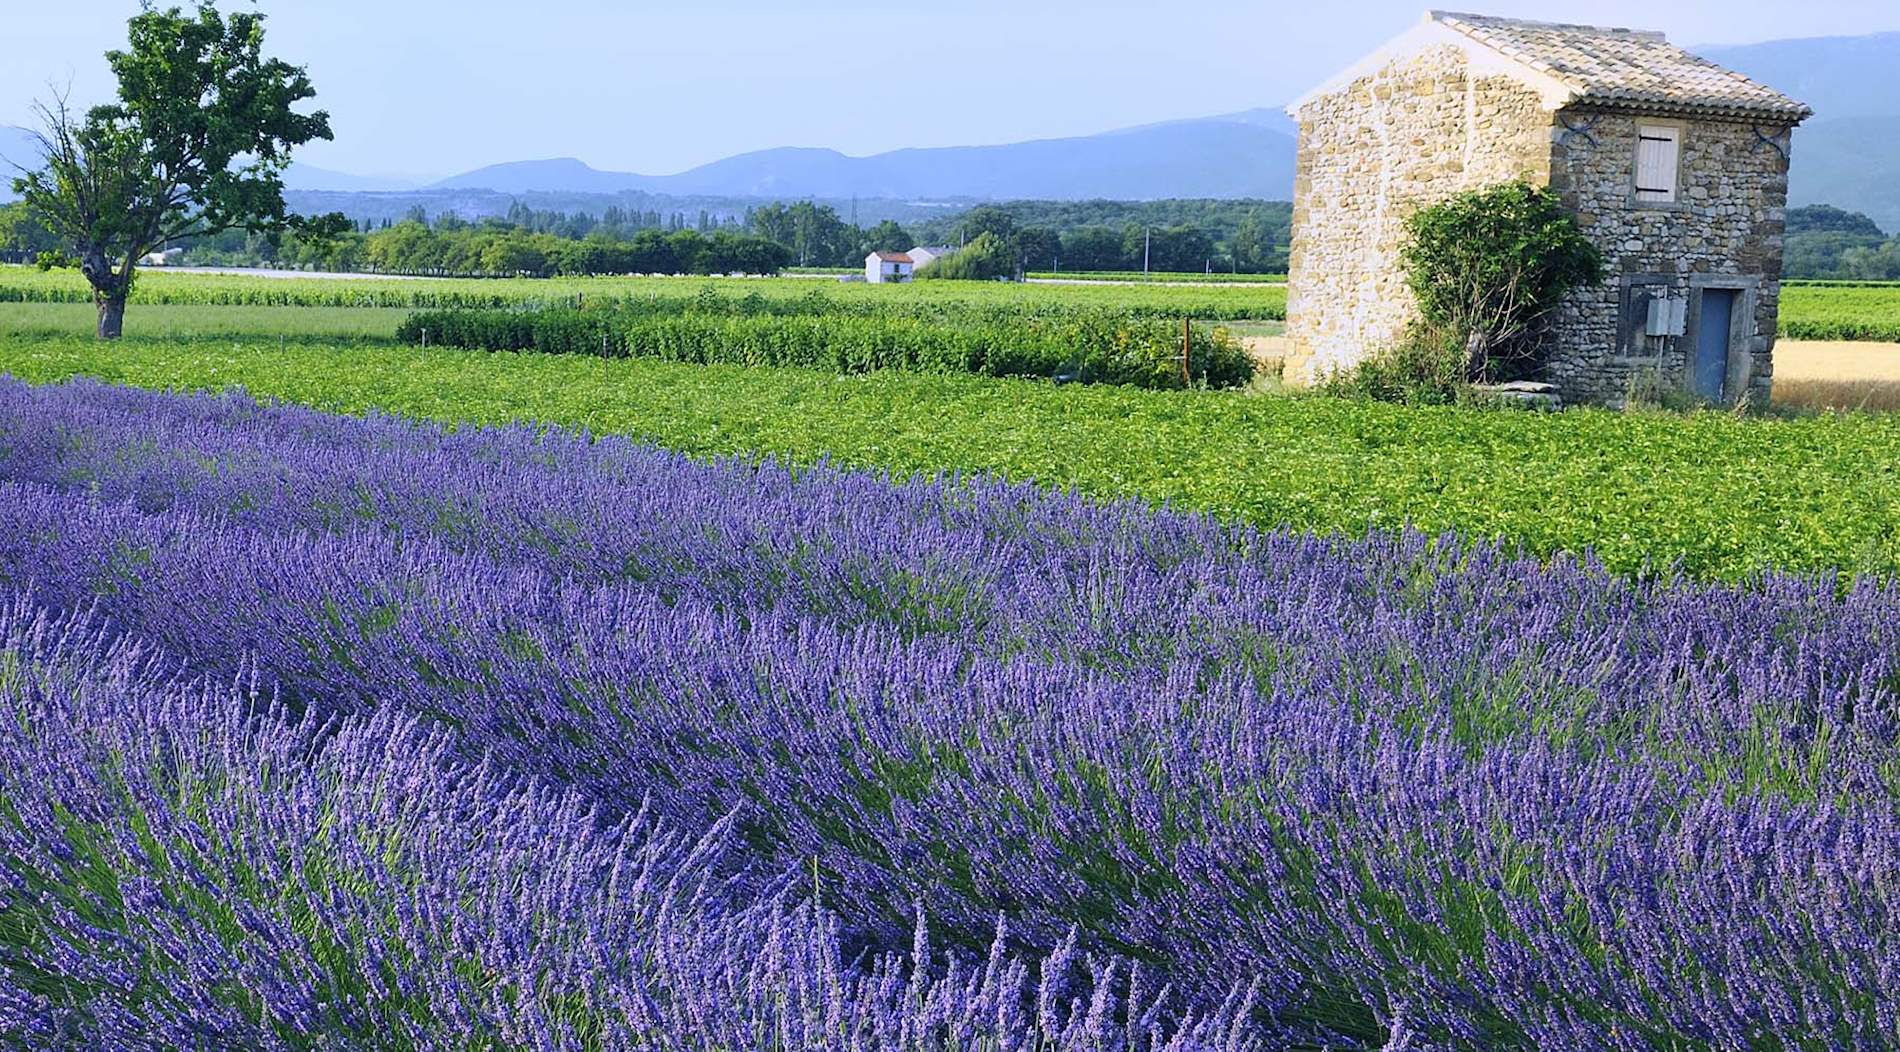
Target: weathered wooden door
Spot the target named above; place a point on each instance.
(1711, 343)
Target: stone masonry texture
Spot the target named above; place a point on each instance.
(1427, 126)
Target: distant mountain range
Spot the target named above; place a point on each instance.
(1847, 155)
(1237, 155)
(301, 176)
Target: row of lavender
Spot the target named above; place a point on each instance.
(1401, 786)
(189, 866)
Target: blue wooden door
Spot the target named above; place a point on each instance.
(1711, 343)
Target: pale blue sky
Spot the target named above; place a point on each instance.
(441, 86)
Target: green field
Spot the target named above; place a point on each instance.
(27, 285)
(1832, 311)
(1161, 277)
(1726, 496)
(1841, 312)
(190, 322)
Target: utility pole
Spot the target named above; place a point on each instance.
(1147, 236)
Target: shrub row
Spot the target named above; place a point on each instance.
(1097, 347)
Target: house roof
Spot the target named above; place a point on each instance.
(892, 257)
(1585, 65)
(933, 250)
(1625, 67)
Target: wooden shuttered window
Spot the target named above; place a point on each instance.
(1658, 154)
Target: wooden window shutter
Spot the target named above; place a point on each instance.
(1658, 155)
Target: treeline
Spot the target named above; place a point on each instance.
(413, 247)
(1828, 243)
(1225, 236)
(22, 237)
(1245, 236)
(527, 243)
(1249, 237)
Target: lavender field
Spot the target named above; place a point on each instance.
(333, 732)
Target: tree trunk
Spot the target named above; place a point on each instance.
(1478, 356)
(109, 289)
(111, 315)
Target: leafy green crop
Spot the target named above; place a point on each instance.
(1095, 346)
(1725, 496)
(1841, 312)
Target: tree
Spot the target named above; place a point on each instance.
(1180, 248)
(1252, 244)
(196, 144)
(1488, 266)
(1827, 219)
(1037, 248)
(887, 236)
(986, 219)
(1822, 254)
(23, 234)
(1093, 248)
(814, 233)
(1873, 263)
(987, 258)
(513, 254)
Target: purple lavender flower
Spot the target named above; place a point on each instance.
(1346, 792)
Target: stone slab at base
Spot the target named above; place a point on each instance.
(1525, 393)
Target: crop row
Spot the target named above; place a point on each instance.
(1095, 347)
(1402, 789)
(760, 295)
(1828, 312)
(1718, 496)
(191, 866)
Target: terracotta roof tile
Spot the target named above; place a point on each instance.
(1625, 68)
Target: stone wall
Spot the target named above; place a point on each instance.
(1423, 128)
(1724, 230)
(1428, 125)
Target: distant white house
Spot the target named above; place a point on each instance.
(161, 259)
(887, 267)
(925, 255)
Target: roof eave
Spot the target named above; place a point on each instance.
(1677, 108)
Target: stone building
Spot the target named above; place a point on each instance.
(1675, 167)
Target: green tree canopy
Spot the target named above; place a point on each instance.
(986, 219)
(1093, 248)
(887, 236)
(196, 144)
(987, 258)
(1037, 247)
(1827, 219)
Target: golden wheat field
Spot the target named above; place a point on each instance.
(1829, 375)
